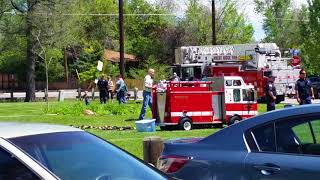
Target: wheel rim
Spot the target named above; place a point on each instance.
(187, 125)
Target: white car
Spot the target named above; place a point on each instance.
(42, 151)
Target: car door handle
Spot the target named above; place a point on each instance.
(267, 169)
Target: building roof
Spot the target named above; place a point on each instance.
(18, 129)
(114, 56)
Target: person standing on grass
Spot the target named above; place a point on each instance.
(110, 88)
(121, 89)
(271, 94)
(147, 89)
(304, 91)
(102, 85)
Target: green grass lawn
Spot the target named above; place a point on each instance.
(70, 113)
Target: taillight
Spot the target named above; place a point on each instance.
(172, 163)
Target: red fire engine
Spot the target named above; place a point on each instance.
(253, 62)
(216, 101)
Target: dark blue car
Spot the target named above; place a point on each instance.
(283, 144)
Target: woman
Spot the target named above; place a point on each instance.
(110, 88)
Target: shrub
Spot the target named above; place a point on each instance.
(77, 108)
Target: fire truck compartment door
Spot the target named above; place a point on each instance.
(161, 104)
(218, 105)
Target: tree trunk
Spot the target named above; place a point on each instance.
(30, 65)
(47, 84)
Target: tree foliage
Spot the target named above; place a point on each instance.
(310, 33)
(281, 22)
(162, 70)
(49, 28)
(231, 25)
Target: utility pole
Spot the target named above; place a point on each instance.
(122, 68)
(214, 36)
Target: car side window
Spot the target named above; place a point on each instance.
(303, 132)
(264, 137)
(299, 136)
(11, 168)
(316, 130)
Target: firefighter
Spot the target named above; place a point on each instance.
(304, 89)
(147, 89)
(271, 94)
(175, 77)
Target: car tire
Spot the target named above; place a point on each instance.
(234, 120)
(186, 124)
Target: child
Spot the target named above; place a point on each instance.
(86, 98)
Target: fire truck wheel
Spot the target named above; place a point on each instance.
(186, 124)
(234, 119)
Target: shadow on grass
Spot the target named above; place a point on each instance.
(132, 119)
(177, 128)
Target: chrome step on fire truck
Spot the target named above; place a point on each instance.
(216, 101)
(253, 62)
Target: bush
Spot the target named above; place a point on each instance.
(77, 108)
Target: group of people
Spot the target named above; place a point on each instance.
(105, 89)
(106, 92)
(303, 89)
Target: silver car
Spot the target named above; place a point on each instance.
(41, 151)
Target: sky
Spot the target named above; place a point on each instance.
(246, 6)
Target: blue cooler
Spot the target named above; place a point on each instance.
(146, 125)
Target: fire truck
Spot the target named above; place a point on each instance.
(253, 62)
(216, 101)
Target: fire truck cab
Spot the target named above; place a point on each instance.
(216, 101)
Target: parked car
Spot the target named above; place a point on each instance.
(315, 80)
(282, 144)
(40, 151)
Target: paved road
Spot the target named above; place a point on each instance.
(72, 94)
(68, 94)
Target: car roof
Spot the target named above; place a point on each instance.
(18, 129)
(232, 136)
(283, 113)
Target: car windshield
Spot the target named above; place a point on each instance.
(80, 155)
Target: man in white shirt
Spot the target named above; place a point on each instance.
(147, 89)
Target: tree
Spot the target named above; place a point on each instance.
(310, 33)
(142, 37)
(196, 24)
(281, 22)
(39, 16)
(162, 70)
(12, 42)
(47, 53)
(231, 25)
